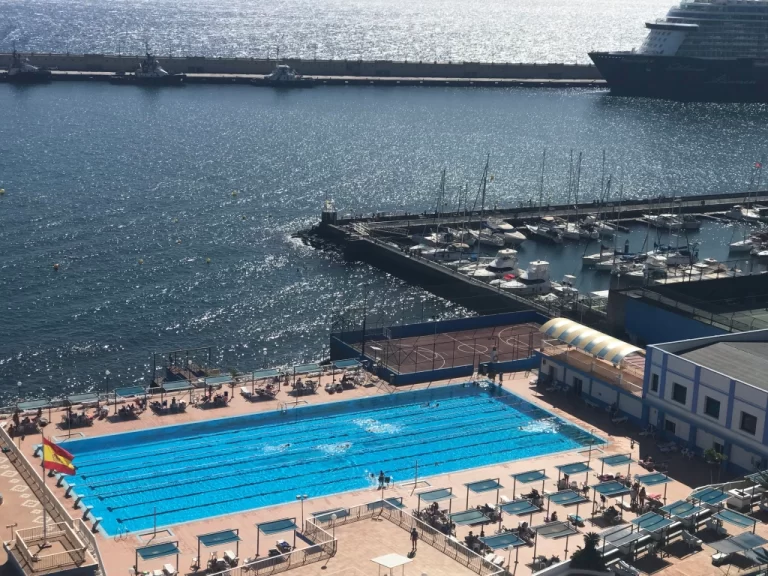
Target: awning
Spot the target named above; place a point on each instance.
(530, 476)
(653, 479)
(682, 509)
(307, 369)
(86, 398)
(757, 477)
(506, 540)
(483, 486)
(709, 496)
(216, 538)
(652, 522)
(346, 364)
(327, 515)
(264, 374)
(611, 488)
(393, 502)
(158, 550)
(130, 391)
(574, 468)
(277, 526)
(33, 405)
(176, 385)
(555, 530)
(622, 535)
(616, 461)
(735, 518)
(437, 495)
(469, 518)
(567, 498)
(520, 508)
(218, 380)
(591, 341)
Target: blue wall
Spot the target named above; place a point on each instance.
(652, 325)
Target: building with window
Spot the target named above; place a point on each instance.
(712, 392)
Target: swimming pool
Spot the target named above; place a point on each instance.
(198, 470)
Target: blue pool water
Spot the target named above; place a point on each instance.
(203, 469)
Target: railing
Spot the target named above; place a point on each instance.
(38, 532)
(324, 547)
(429, 535)
(724, 322)
(58, 513)
(453, 549)
(628, 378)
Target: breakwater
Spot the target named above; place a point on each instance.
(370, 69)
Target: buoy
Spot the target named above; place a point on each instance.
(178, 241)
(2, 191)
(234, 192)
(243, 217)
(207, 260)
(141, 261)
(56, 266)
(175, 220)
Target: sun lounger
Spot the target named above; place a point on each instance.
(245, 393)
(691, 540)
(625, 569)
(169, 570)
(619, 420)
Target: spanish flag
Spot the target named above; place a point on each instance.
(57, 459)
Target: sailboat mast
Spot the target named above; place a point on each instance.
(578, 181)
(541, 180)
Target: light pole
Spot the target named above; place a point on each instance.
(301, 497)
(265, 358)
(18, 386)
(333, 525)
(106, 376)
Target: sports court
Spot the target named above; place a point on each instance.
(460, 348)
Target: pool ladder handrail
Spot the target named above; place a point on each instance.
(283, 406)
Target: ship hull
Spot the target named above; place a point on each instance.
(36, 78)
(684, 79)
(301, 83)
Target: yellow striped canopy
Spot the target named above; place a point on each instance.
(591, 341)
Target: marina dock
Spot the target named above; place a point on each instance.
(382, 240)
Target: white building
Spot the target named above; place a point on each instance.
(712, 393)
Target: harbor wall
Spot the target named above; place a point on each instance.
(364, 68)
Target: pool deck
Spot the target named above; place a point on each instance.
(360, 541)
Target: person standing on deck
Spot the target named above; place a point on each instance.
(414, 540)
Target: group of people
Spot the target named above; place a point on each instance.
(637, 496)
(130, 410)
(436, 518)
(26, 425)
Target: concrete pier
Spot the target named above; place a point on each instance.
(234, 70)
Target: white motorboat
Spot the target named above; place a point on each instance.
(514, 238)
(481, 262)
(566, 288)
(483, 238)
(504, 263)
(673, 257)
(607, 265)
(742, 245)
(498, 225)
(551, 235)
(592, 259)
(533, 280)
(450, 253)
(571, 232)
(762, 255)
(739, 212)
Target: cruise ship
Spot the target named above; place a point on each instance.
(703, 50)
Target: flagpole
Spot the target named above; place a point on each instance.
(45, 543)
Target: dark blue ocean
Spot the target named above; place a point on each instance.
(130, 191)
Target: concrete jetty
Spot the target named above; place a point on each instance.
(331, 72)
(377, 240)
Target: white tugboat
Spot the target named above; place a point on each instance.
(149, 73)
(283, 76)
(22, 72)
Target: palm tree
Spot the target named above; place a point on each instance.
(588, 558)
(715, 459)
